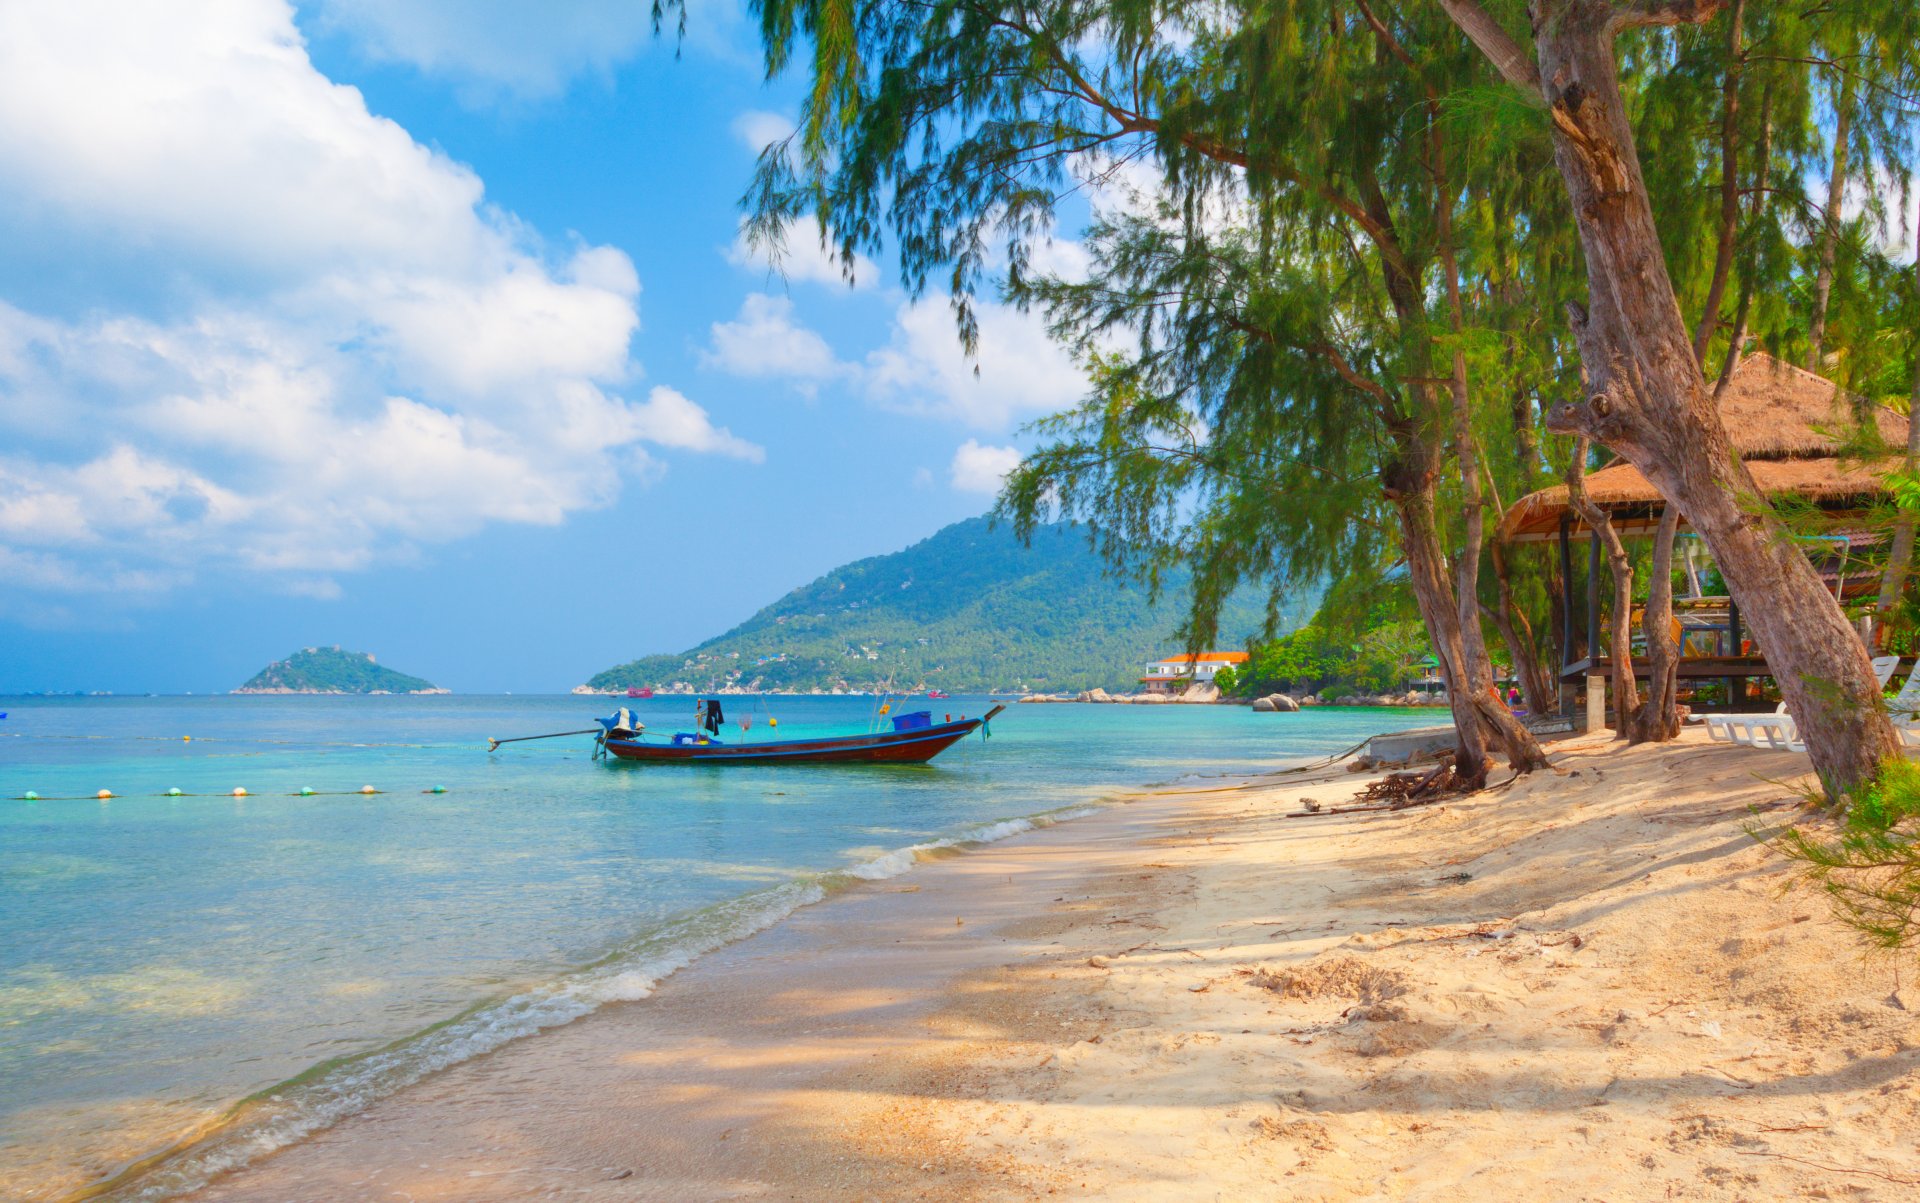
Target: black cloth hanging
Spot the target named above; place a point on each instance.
(714, 717)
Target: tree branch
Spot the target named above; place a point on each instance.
(1634, 14)
(1512, 60)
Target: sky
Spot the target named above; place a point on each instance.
(424, 328)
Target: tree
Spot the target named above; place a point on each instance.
(1646, 397)
(949, 123)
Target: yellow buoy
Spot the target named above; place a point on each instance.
(368, 789)
(105, 793)
(239, 791)
(773, 722)
(186, 739)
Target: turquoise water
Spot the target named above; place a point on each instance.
(164, 958)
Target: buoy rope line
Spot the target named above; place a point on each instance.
(365, 791)
(222, 739)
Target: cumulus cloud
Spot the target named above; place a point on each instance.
(1018, 374)
(337, 350)
(765, 342)
(496, 48)
(978, 468)
(758, 129)
(802, 256)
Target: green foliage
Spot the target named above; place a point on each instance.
(969, 609)
(331, 670)
(1367, 637)
(1869, 868)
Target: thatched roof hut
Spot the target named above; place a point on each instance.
(1799, 434)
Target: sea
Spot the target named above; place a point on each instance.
(189, 980)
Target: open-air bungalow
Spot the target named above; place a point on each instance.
(1801, 437)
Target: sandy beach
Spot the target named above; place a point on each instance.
(1588, 984)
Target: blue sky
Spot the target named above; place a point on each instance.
(422, 327)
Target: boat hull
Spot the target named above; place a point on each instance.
(882, 747)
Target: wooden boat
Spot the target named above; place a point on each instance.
(635, 691)
(913, 739)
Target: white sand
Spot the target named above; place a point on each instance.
(1195, 998)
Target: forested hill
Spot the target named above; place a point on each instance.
(967, 610)
(331, 670)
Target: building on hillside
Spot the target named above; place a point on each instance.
(1175, 672)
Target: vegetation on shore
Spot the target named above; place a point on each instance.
(968, 609)
(1388, 268)
(333, 670)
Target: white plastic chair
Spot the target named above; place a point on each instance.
(1904, 710)
(1777, 730)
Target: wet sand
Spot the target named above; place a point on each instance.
(1585, 985)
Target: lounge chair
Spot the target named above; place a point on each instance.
(1904, 710)
(1777, 730)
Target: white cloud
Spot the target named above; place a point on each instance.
(758, 129)
(982, 469)
(1018, 374)
(802, 256)
(765, 342)
(307, 343)
(671, 420)
(495, 47)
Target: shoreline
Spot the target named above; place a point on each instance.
(827, 986)
(1586, 984)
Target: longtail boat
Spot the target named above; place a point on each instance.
(913, 739)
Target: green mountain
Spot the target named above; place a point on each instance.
(968, 610)
(331, 670)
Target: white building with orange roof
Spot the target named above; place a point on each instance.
(1175, 672)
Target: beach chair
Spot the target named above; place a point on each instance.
(1904, 710)
(1777, 731)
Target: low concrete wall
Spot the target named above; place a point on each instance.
(1398, 747)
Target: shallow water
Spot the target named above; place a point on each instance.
(164, 958)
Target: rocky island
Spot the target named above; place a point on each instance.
(332, 670)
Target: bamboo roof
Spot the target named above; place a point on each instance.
(1787, 424)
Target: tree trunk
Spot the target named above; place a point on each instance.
(1659, 717)
(1433, 593)
(1626, 691)
(1830, 229)
(1762, 176)
(1522, 748)
(1900, 554)
(1729, 185)
(1647, 399)
(1517, 633)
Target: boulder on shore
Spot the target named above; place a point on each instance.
(1264, 706)
(1283, 703)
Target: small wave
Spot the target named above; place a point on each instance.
(898, 861)
(332, 1091)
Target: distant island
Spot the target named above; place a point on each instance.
(332, 670)
(968, 609)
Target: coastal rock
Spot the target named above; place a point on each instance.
(1264, 706)
(1283, 704)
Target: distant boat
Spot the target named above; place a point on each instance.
(634, 691)
(938, 693)
(914, 739)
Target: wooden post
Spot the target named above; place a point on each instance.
(1736, 686)
(1596, 702)
(1593, 597)
(1566, 592)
